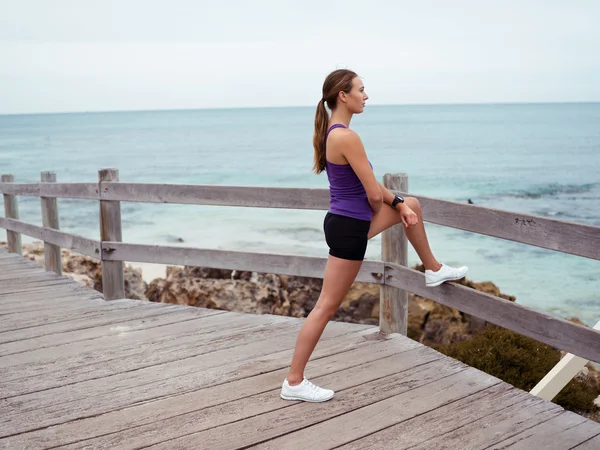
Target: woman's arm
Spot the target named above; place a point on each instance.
(355, 154)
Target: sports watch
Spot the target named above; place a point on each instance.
(397, 199)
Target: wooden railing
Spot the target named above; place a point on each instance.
(390, 272)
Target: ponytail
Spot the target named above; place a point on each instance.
(321, 121)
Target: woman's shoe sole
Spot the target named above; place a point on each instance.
(285, 397)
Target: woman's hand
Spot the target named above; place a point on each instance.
(408, 216)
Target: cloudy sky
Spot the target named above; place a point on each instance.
(92, 55)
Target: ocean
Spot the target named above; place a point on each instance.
(541, 159)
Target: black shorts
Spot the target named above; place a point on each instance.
(346, 237)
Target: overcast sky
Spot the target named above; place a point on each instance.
(103, 55)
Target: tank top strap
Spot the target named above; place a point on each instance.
(333, 127)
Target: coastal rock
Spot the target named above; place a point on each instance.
(87, 271)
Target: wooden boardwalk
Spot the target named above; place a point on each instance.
(80, 372)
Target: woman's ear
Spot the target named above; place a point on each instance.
(342, 96)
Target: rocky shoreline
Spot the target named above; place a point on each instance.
(430, 323)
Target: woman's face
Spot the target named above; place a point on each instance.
(357, 97)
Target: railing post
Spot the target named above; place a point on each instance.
(52, 258)
(113, 285)
(11, 211)
(393, 302)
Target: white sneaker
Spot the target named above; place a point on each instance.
(446, 273)
(305, 391)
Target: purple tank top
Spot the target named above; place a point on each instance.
(347, 195)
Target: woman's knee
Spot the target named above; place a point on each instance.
(325, 310)
(413, 203)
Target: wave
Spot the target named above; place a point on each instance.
(553, 189)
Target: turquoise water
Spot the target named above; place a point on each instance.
(542, 159)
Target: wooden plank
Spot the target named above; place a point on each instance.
(137, 422)
(70, 190)
(11, 211)
(371, 271)
(248, 196)
(479, 421)
(393, 302)
(113, 284)
(9, 187)
(559, 235)
(562, 431)
(55, 190)
(209, 330)
(103, 394)
(34, 285)
(151, 319)
(364, 421)
(568, 237)
(52, 291)
(573, 338)
(79, 244)
(36, 319)
(52, 256)
(590, 444)
(42, 304)
(438, 382)
(81, 324)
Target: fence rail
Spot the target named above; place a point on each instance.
(391, 273)
(563, 236)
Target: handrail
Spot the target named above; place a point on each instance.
(563, 236)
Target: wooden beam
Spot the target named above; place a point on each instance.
(11, 211)
(559, 333)
(393, 302)
(55, 190)
(559, 235)
(52, 256)
(305, 266)
(113, 279)
(73, 242)
(257, 197)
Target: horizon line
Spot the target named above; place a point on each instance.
(220, 108)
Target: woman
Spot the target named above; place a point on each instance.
(360, 208)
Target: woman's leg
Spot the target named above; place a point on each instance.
(387, 217)
(338, 277)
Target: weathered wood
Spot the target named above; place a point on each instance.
(500, 398)
(590, 444)
(249, 379)
(563, 431)
(150, 319)
(79, 244)
(571, 337)
(70, 190)
(27, 320)
(371, 271)
(559, 235)
(435, 381)
(256, 197)
(76, 326)
(393, 302)
(185, 417)
(113, 278)
(52, 257)
(485, 430)
(567, 237)
(120, 390)
(210, 330)
(54, 190)
(11, 211)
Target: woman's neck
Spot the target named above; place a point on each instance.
(341, 116)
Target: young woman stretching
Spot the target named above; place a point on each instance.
(360, 208)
